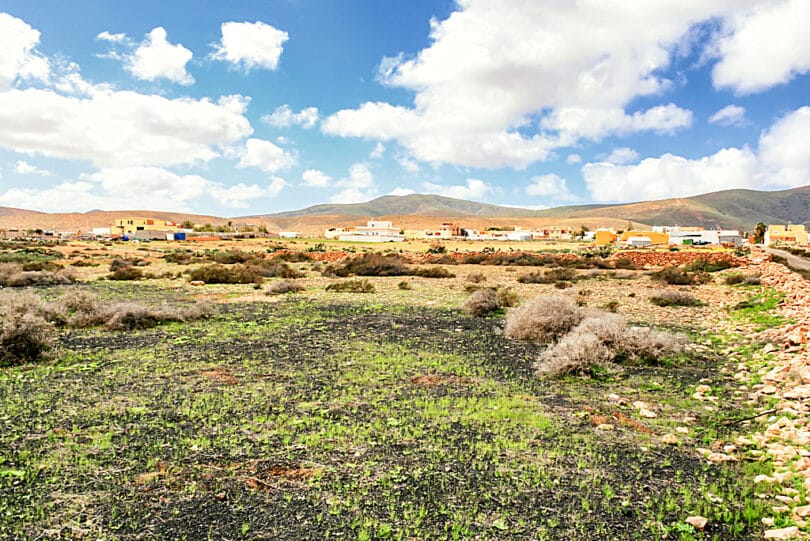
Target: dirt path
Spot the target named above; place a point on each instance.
(792, 260)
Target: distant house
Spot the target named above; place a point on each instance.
(373, 231)
(644, 238)
(143, 227)
(605, 237)
(289, 234)
(786, 234)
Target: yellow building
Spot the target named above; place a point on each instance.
(655, 237)
(786, 234)
(604, 237)
(131, 226)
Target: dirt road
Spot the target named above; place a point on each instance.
(792, 260)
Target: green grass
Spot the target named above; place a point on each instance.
(758, 310)
(305, 421)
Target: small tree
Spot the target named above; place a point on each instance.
(759, 233)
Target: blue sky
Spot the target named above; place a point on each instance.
(236, 108)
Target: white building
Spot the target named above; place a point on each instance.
(373, 231)
(289, 234)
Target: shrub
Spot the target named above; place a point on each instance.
(739, 278)
(752, 281)
(678, 277)
(603, 337)
(298, 257)
(372, 264)
(548, 277)
(126, 273)
(476, 278)
(474, 259)
(273, 269)
(482, 302)
(351, 286)
(703, 265)
(574, 354)
(130, 315)
(84, 263)
(119, 263)
(12, 275)
(543, 319)
(25, 334)
(441, 260)
(405, 286)
(220, 274)
(432, 272)
(624, 263)
(674, 298)
(563, 285)
(39, 266)
(506, 297)
(284, 286)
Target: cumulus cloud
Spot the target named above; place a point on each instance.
(250, 45)
(133, 188)
(550, 185)
(409, 165)
(378, 152)
(315, 177)
(112, 38)
(24, 168)
(573, 159)
(622, 155)
(401, 191)
(284, 117)
(156, 58)
(19, 59)
(358, 186)
(495, 67)
(265, 155)
(730, 115)
(766, 46)
(782, 161)
(120, 128)
(473, 188)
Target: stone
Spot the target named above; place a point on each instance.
(670, 439)
(791, 532)
(802, 511)
(698, 522)
(703, 389)
(604, 426)
(196, 283)
(768, 389)
(647, 413)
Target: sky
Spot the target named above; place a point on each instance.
(261, 106)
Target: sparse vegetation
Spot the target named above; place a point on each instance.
(666, 297)
(284, 286)
(543, 319)
(678, 277)
(221, 274)
(351, 286)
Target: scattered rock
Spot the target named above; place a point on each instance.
(791, 532)
(670, 439)
(698, 522)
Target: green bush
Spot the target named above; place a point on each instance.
(220, 274)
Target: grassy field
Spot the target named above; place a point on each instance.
(388, 415)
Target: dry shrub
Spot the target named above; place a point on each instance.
(506, 297)
(574, 354)
(674, 298)
(739, 278)
(131, 315)
(432, 272)
(482, 302)
(624, 263)
(373, 264)
(476, 278)
(548, 277)
(220, 274)
(273, 268)
(13, 275)
(25, 334)
(404, 286)
(125, 273)
(351, 286)
(543, 319)
(679, 277)
(284, 286)
(602, 337)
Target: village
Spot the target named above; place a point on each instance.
(383, 231)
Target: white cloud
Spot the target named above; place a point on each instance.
(250, 45)
(112, 38)
(730, 115)
(573, 159)
(120, 128)
(378, 152)
(314, 177)
(473, 188)
(265, 155)
(156, 58)
(784, 149)
(495, 67)
(135, 188)
(782, 161)
(284, 117)
(24, 168)
(401, 191)
(767, 46)
(409, 165)
(18, 58)
(622, 155)
(550, 185)
(359, 186)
